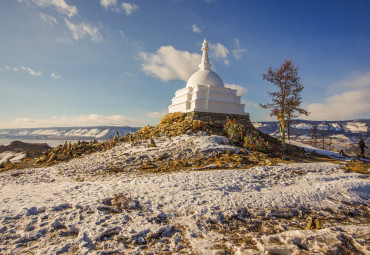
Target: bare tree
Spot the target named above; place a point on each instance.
(286, 100)
(323, 137)
(314, 132)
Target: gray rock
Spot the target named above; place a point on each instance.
(61, 207)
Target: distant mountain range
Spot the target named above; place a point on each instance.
(66, 133)
(344, 131)
(339, 132)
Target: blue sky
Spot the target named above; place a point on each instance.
(113, 62)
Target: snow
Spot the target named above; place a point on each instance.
(24, 132)
(340, 136)
(46, 198)
(356, 127)
(11, 156)
(335, 126)
(48, 132)
(87, 133)
(258, 124)
(103, 133)
(302, 126)
(75, 132)
(312, 241)
(307, 147)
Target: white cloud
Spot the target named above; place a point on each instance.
(128, 74)
(347, 105)
(169, 63)
(122, 34)
(359, 82)
(55, 76)
(31, 71)
(238, 53)
(250, 104)
(219, 50)
(196, 29)
(129, 8)
(60, 5)
(237, 42)
(73, 121)
(81, 30)
(50, 20)
(64, 39)
(8, 68)
(157, 115)
(240, 90)
(108, 3)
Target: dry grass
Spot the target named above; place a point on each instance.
(358, 167)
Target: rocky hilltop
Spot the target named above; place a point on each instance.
(171, 125)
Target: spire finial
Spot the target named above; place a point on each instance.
(205, 65)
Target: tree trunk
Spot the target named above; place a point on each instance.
(323, 137)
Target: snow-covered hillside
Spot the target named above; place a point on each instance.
(102, 132)
(348, 128)
(80, 207)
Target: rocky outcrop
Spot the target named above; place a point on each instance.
(68, 151)
(27, 147)
(174, 124)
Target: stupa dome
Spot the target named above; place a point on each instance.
(205, 77)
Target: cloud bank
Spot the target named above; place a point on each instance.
(238, 52)
(240, 90)
(169, 63)
(351, 104)
(55, 76)
(129, 8)
(108, 3)
(81, 30)
(60, 5)
(157, 115)
(195, 29)
(31, 71)
(50, 20)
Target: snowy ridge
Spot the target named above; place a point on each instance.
(300, 127)
(342, 134)
(103, 132)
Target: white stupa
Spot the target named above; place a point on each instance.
(205, 92)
